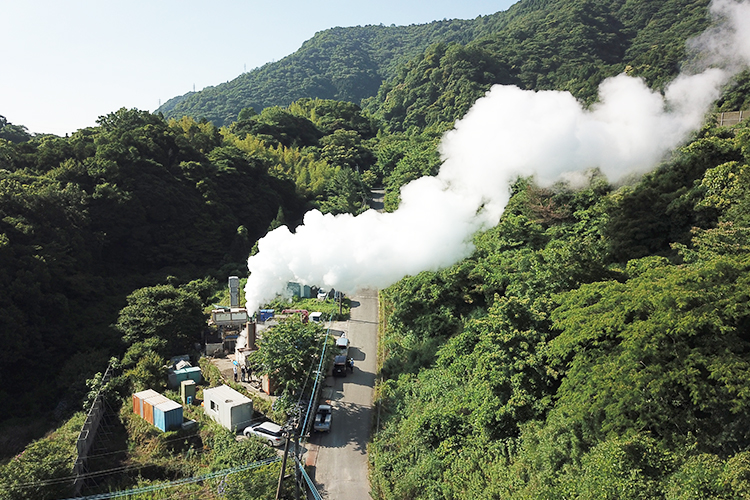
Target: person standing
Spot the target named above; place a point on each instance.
(234, 370)
(242, 374)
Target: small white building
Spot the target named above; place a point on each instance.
(228, 407)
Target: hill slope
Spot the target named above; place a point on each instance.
(433, 72)
(346, 64)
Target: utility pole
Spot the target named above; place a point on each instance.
(291, 433)
(297, 477)
(283, 465)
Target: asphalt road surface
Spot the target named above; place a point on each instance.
(341, 462)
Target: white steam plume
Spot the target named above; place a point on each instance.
(508, 133)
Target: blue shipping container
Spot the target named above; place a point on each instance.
(168, 415)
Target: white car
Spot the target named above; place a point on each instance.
(322, 294)
(342, 344)
(269, 431)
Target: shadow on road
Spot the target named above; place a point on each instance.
(350, 418)
(356, 354)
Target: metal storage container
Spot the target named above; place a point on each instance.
(228, 407)
(187, 390)
(138, 398)
(167, 415)
(265, 315)
(190, 373)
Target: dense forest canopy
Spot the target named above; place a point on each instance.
(595, 344)
(424, 74)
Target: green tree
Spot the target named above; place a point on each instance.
(345, 194)
(13, 133)
(43, 470)
(288, 352)
(666, 352)
(172, 314)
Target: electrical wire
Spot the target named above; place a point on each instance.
(105, 472)
(310, 484)
(317, 378)
(187, 480)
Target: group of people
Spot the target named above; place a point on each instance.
(244, 373)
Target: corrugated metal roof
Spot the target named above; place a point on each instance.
(148, 393)
(168, 405)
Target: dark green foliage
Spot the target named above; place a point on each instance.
(37, 472)
(665, 352)
(433, 72)
(737, 97)
(164, 312)
(438, 87)
(86, 220)
(345, 64)
(401, 158)
(594, 345)
(261, 483)
(288, 352)
(554, 375)
(13, 133)
(345, 194)
(561, 45)
(278, 126)
(660, 209)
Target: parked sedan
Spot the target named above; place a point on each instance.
(323, 419)
(270, 432)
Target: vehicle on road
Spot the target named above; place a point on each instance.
(339, 366)
(269, 431)
(342, 345)
(322, 421)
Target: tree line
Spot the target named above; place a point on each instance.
(593, 345)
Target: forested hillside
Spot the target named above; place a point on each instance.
(346, 64)
(594, 345)
(434, 72)
(138, 201)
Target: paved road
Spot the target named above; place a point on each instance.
(377, 201)
(341, 462)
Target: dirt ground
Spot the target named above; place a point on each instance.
(225, 364)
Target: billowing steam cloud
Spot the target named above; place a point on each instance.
(508, 133)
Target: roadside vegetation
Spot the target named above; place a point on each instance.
(595, 344)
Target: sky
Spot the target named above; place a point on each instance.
(64, 64)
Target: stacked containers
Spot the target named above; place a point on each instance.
(138, 399)
(157, 409)
(168, 415)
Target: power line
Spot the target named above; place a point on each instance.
(187, 480)
(310, 484)
(317, 377)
